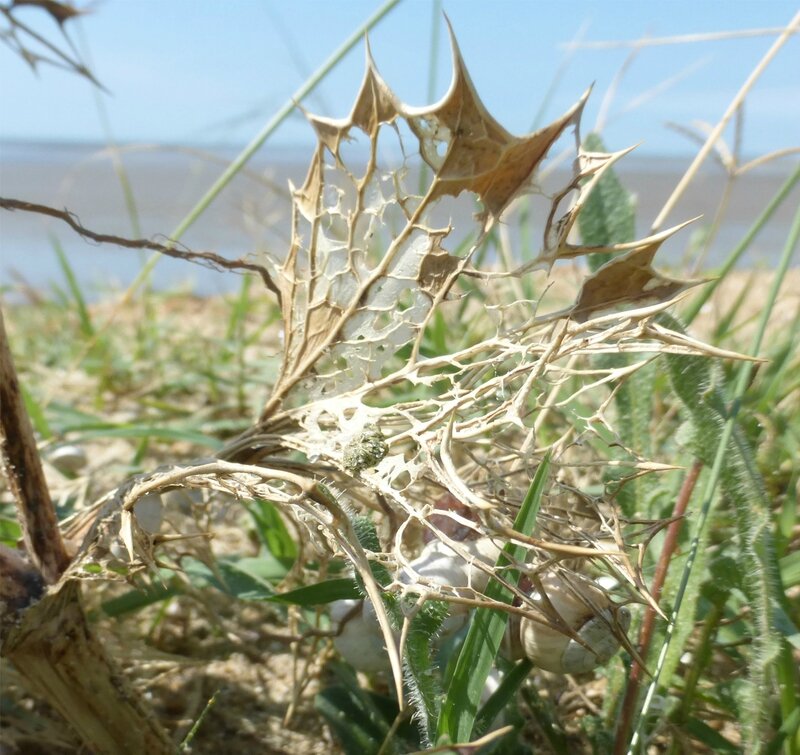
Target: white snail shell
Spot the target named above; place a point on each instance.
(68, 459)
(589, 612)
(441, 564)
(360, 641)
(147, 511)
(182, 499)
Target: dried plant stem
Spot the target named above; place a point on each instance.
(61, 59)
(611, 92)
(51, 642)
(757, 162)
(678, 39)
(687, 178)
(61, 659)
(23, 468)
(169, 249)
(241, 160)
(646, 632)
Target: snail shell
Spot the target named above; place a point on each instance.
(148, 513)
(439, 563)
(68, 459)
(588, 611)
(359, 640)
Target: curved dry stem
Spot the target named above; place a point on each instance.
(716, 132)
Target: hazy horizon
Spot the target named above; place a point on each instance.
(251, 215)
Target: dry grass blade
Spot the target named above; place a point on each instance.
(22, 39)
(169, 249)
(678, 39)
(791, 28)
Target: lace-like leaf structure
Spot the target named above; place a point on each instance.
(347, 309)
(370, 261)
(353, 295)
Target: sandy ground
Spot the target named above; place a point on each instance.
(217, 647)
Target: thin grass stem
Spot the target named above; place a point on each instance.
(720, 127)
(699, 302)
(258, 140)
(679, 39)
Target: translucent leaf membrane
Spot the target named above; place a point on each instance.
(385, 230)
(353, 295)
(372, 253)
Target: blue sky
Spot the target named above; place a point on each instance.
(207, 72)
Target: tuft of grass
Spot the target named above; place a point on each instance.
(486, 629)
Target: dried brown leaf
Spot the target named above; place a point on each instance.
(629, 280)
(359, 401)
(59, 12)
(347, 308)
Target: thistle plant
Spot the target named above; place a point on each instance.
(426, 393)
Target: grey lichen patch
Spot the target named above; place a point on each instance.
(365, 450)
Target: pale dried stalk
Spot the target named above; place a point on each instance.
(354, 318)
(63, 661)
(678, 39)
(734, 105)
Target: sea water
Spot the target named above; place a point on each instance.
(251, 216)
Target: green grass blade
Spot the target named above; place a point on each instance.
(87, 329)
(712, 739)
(781, 364)
(269, 128)
(486, 630)
(187, 741)
(37, 414)
(697, 304)
(502, 696)
(151, 432)
(272, 531)
(725, 323)
(433, 59)
(243, 578)
(135, 600)
(113, 149)
(283, 113)
(734, 468)
(360, 719)
(790, 569)
(319, 593)
(239, 310)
